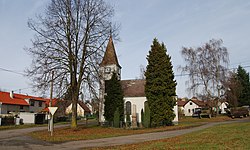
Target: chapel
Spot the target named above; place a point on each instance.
(133, 90)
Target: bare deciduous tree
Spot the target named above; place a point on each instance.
(142, 72)
(69, 40)
(207, 68)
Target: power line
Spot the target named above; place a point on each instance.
(12, 71)
(180, 75)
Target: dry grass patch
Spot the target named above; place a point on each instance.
(88, 133)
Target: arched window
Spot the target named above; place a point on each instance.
(128, 108)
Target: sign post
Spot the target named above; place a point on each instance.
(52, 111)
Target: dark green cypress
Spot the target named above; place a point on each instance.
(160, 85)
(142, 117)
(146, 120)
(116, 118)
(113, 99)
(243, 78)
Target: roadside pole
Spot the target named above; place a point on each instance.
(52, 111)
(50, 102)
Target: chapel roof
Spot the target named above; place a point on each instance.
(110, 57)
(133, 88)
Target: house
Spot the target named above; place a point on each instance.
(223, 106)
(65, 108)
(133, 90)
(90, 107)
(188, 106)
(82, 109)
(15, 103)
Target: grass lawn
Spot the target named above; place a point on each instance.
(96, 132)
(229, 136)
(12, 127)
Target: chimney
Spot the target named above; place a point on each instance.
(12, 94)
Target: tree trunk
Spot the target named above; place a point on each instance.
(74, 110)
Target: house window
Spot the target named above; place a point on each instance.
(190, 103)
(40, 103)
(189, 110)
(32, 103)
(21, 107)
(128, 108)
(193, 110)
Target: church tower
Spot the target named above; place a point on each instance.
(108, 66)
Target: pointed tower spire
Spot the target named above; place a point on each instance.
(110, 57)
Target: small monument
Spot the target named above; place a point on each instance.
(134, 118)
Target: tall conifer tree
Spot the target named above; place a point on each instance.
(243, 78)
(113, 99)
(160, 85)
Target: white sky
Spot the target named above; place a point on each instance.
(176, 23)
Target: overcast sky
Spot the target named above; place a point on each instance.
(177, 23)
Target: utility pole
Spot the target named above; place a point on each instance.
(50, 123)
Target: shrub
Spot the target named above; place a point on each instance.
(142, 117)
(8, 120)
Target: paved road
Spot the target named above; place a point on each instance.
(14, 139)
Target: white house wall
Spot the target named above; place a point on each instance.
(188, 106)
(28, 118)
(222, 108)
(80, 110)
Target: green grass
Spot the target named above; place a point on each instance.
(229, 136)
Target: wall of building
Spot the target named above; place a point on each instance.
(139, 103)
(190, 105)
(36, 107)
(28, 118)
(5, 109)
(80, 110)
(222, 108)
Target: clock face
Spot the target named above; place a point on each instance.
(107, 69)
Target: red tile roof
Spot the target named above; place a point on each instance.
(18, 99)
(133, 88)
(181, 103)
(196, 101)
(199, 102)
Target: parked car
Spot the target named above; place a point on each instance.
(238, 112)
(206, 112)
(197, 112)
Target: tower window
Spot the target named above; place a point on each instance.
(107, 70)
